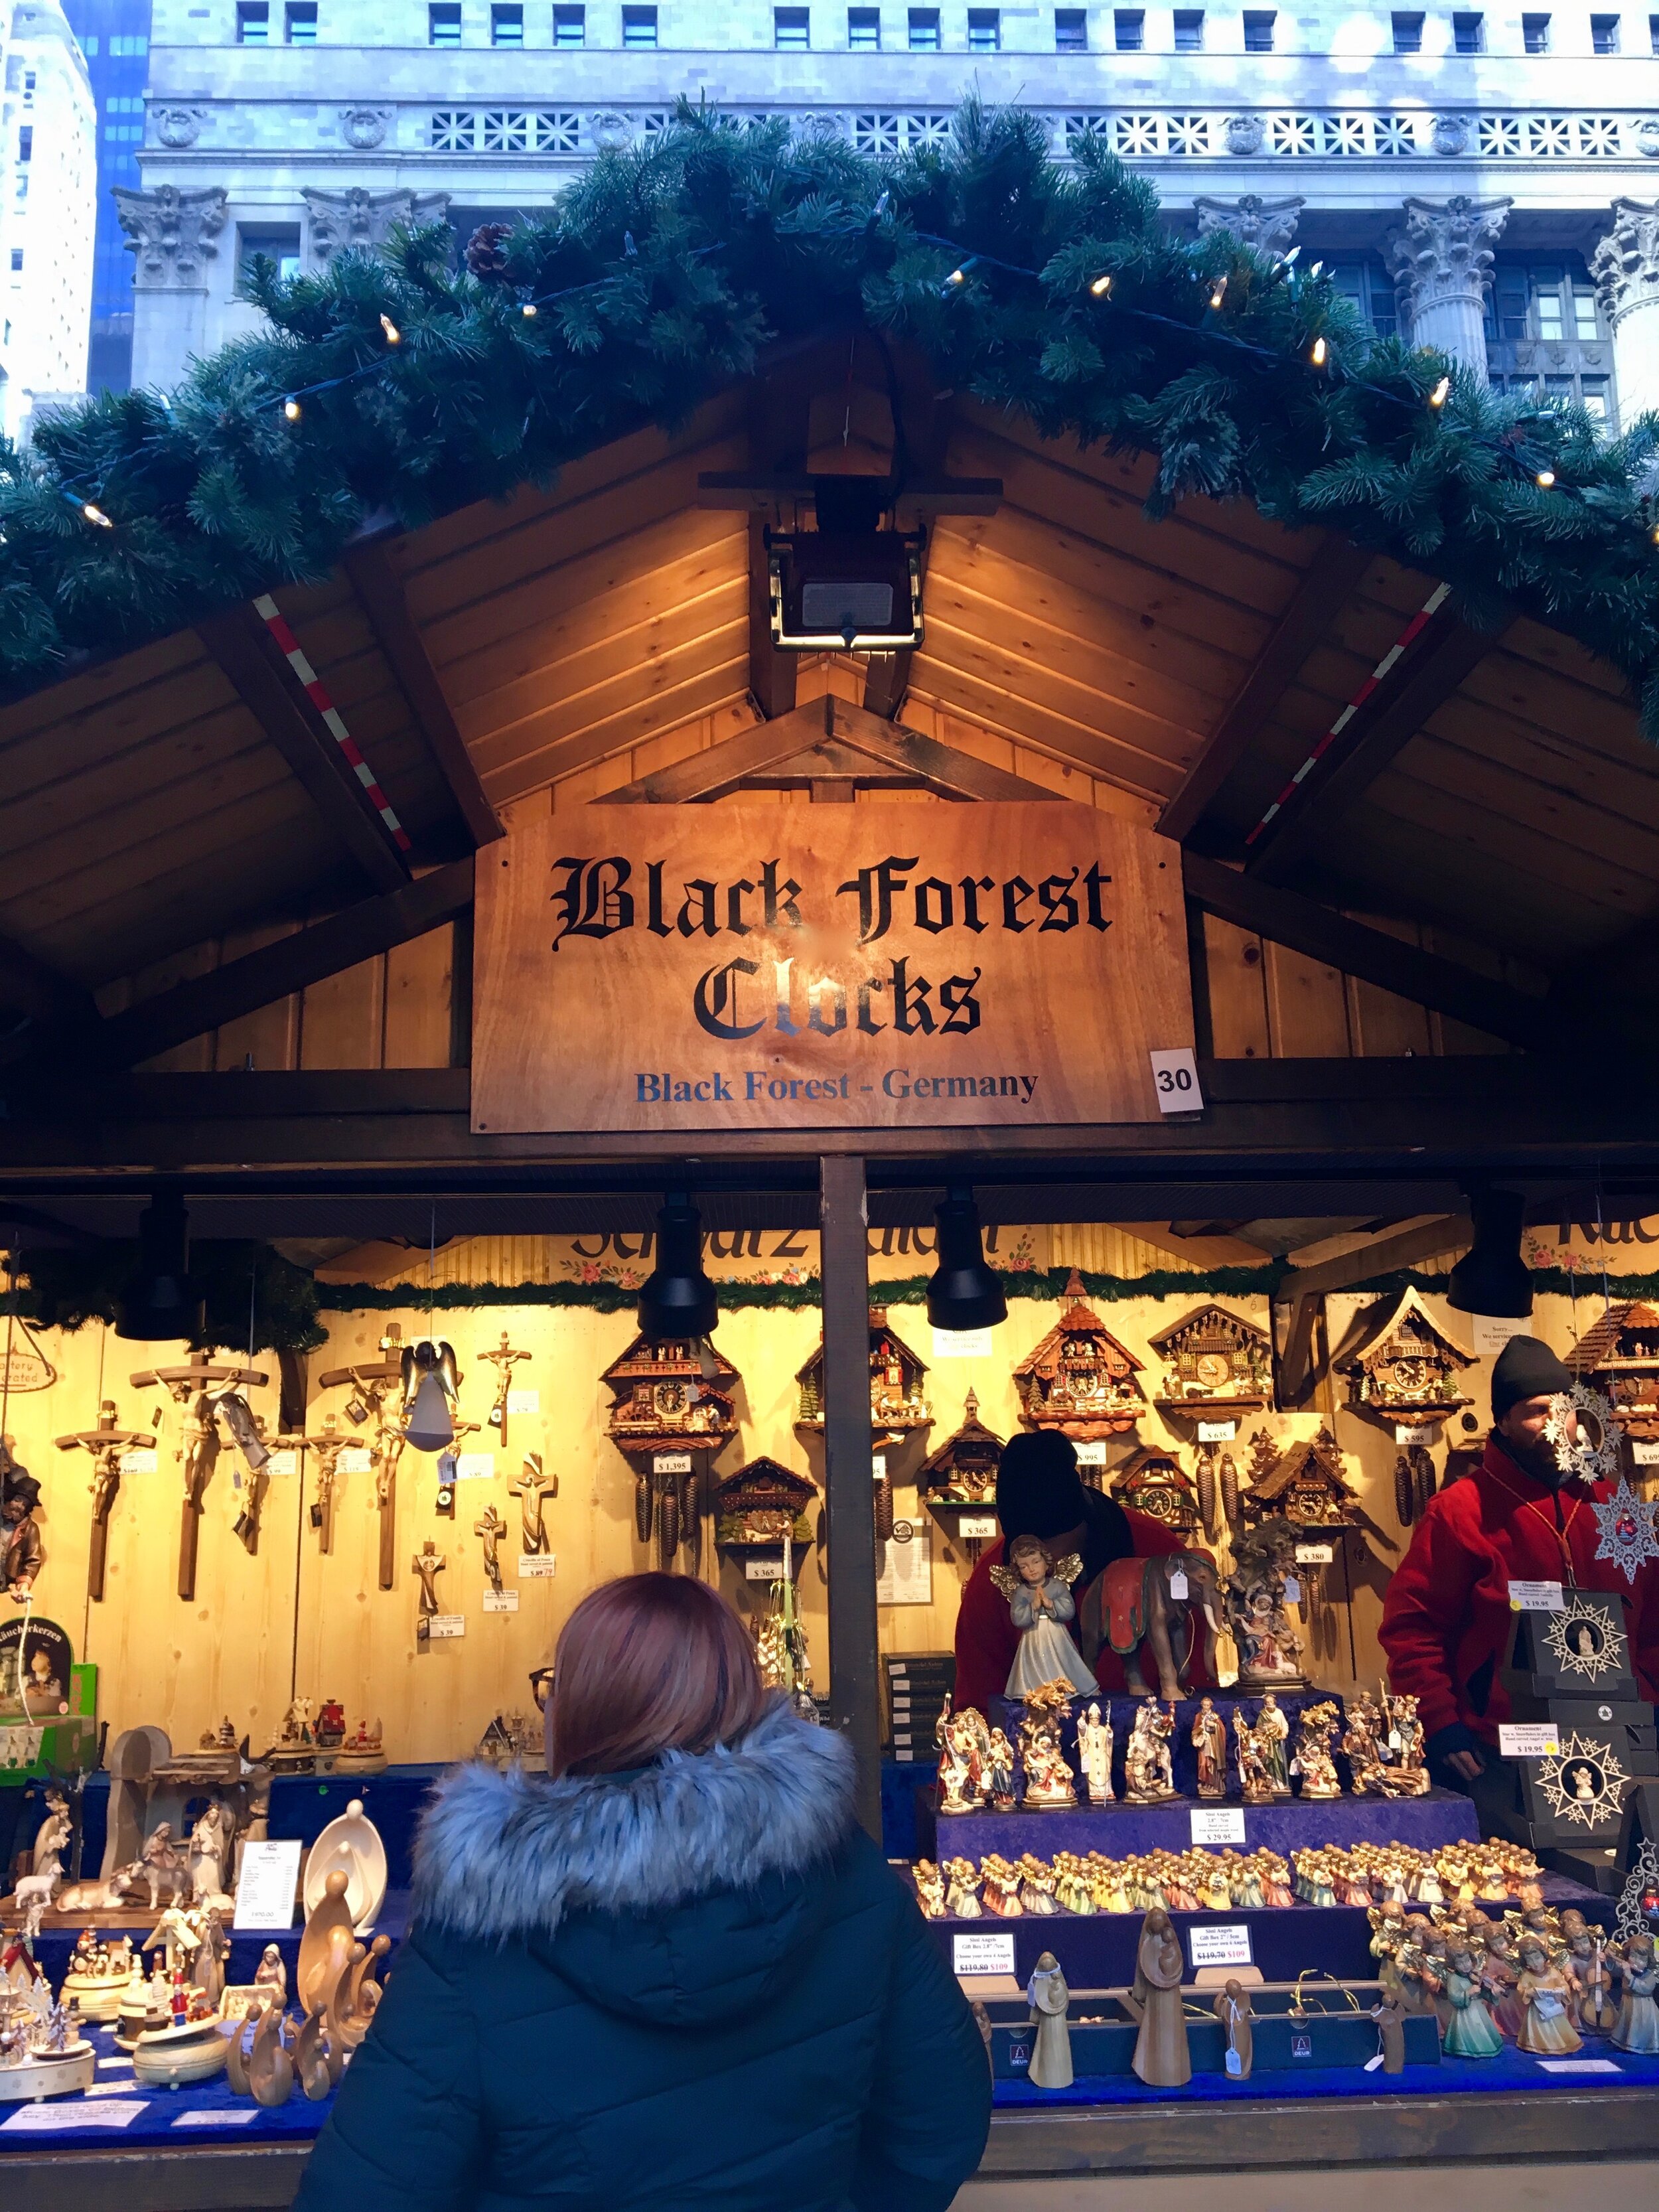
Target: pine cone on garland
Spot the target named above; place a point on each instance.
(485, 258)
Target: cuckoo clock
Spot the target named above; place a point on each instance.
(1304, 1484)
(1079, 1379)
(1153, 1481)
(760, 1505)
(671, 1397)
(1214, 1361)
(1402, 1365)
(898, 1402)
(1620, 1357)
(958, 1483)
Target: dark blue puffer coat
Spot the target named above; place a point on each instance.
(698, 1984)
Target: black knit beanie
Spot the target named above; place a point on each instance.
(1039, 1490)
(1526, 1368)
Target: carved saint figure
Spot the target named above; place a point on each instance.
(1161, 2057)
(1209, 1740)
(1094, 1753)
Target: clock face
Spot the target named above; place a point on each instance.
(1412, 1374)
(1212, 1369)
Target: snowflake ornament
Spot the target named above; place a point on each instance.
(1628, 1530)
(1576, 1416)
(1584, 1784)
(1582, 1640)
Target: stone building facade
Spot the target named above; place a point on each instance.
(1485, 181)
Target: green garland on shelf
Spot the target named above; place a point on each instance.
(67, 1289)
(393, 387)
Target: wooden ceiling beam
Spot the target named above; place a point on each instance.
(1330, 581)
(262, 680)
(926, 430)
(1444, 652)
(30, 988)
(778, 427)
(380, 594)
(1371, 956)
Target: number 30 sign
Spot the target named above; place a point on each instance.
(1175, 1079)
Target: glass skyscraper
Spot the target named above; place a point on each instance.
(114, 36)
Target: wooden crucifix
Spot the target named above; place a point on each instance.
(504, 1360)
(196, 1390)
(377, 1392)
(327, 1447)
(106, 1443)
(532, 1487)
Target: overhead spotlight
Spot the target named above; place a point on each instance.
(677, 1300)
(963, 1292)
(850, 584)
(161, 1304)
(1441, 393)
(1492, 1277)
(393, 335)
(1102, 285)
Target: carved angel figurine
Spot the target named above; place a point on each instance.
(1037, 1588)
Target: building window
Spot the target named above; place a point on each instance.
(570, 26)
(1604, 34)
(924, 30)
(1592, 391)
(1129, 30)
(277, 242)
(1259, 31)
(16, 260)
(252, 23)
(1189, 30)
(1371, 290)
(1408, 34)
(1070, 31)
(443, 23)
(984, 30)
(1468, 34)
(1653, 32)
(26, 142)
(300, 22)
(864, 30)
(507, 27)
(1535, 34)
(638, 27)
(792, 29)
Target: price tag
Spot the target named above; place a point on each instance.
(1178, 1585)
(1580, 2066)
(1174, 1080)
(536, 1566)
(210, 2119)
(1227, 1945)
(1492, 1332)
(1217, 1824)
(475, 1467)
(524, 1401)
(769, 1568)
(986, 1951)
(1316, 1555)
(1292, 1590)
(139, 1462)
(440, 1627)
(355, 1458)
(1645, 1454)
(286, 1461)
(265, 1887)
(500, 1600)
(45, 2120)
(1217, 1432)
(977, 1524)
(878, 1465)
(1528, 1740)
(671, 1462)
(961, 1344)
(1536, 1597)
(1092, 1453)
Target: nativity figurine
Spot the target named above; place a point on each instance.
(1051, 2046)
(1094, 1751)
(1162, 2058)
(1209, 1740)
(1148, 1767)
(1049, 1781)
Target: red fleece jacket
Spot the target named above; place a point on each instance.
(986, 1638)
(1447, 1614)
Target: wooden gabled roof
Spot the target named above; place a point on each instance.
(1375, 1324)
(1078, 1319)
(1600, 1339)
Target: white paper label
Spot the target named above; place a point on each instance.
(1217, 1432)
(1373, 2063)
(233, 2119)
(1092, 1453)
(265, 1887)
(440, 1627)
(1292, 1590)
(1530, 1739)
(536, 1566)
(1645, 1454)
(878, 1465)
(986, 1951)
(1580, 2066)
(907, 1576)
(961, 1344)
(355, 1458)
(475, 1467)
(1227, 1945)
(1217, 1824)
(1316, 1555)
(50, 2117)
(671, 1462)
(1177, 1584)
(286, 1461)
(1492, 1332)
(524, 1401)
(768, 1568)
(1174, 1080)
(1536, 1597)
(115, 2066)
(139, 1462)
(977, 1524)
(500, 1600)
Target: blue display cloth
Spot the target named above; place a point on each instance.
(1297, 1824)
(146, 2118)
(1511, 2069)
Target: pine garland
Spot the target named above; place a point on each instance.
(67, 1289)
(397, 387)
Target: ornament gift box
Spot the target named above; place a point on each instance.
(1581, 1652)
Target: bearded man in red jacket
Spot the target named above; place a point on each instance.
(1447, 1618)
(1040, 1493)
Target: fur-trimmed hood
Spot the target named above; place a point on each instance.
(507, 1856)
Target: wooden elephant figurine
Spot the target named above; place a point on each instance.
(1131, 1602)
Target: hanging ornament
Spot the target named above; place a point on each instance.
(1585, 1433)
(1629, 1527)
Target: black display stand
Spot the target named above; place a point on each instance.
(1571, 1670)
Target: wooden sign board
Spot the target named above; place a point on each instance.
(890, 965)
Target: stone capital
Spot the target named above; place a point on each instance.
(1625, 263)
(172, 234)
(360, 219)
(1444, 254)
(1268, 225)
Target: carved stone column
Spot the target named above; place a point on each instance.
(1441, 264)
(174, 236)
(338, 222)
(1625, 267)
(1269, 225)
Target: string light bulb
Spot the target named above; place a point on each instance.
(1545, 479)
(95, 514)
(1102, 286)
(1319, 353)
(393, 335)
(1441, 393)
(1219, 293)
(291, 409)
(528, 309)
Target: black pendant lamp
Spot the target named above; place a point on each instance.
(1492, 1277)
(677, 1300)
(963, 1293)
(160, 1305)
